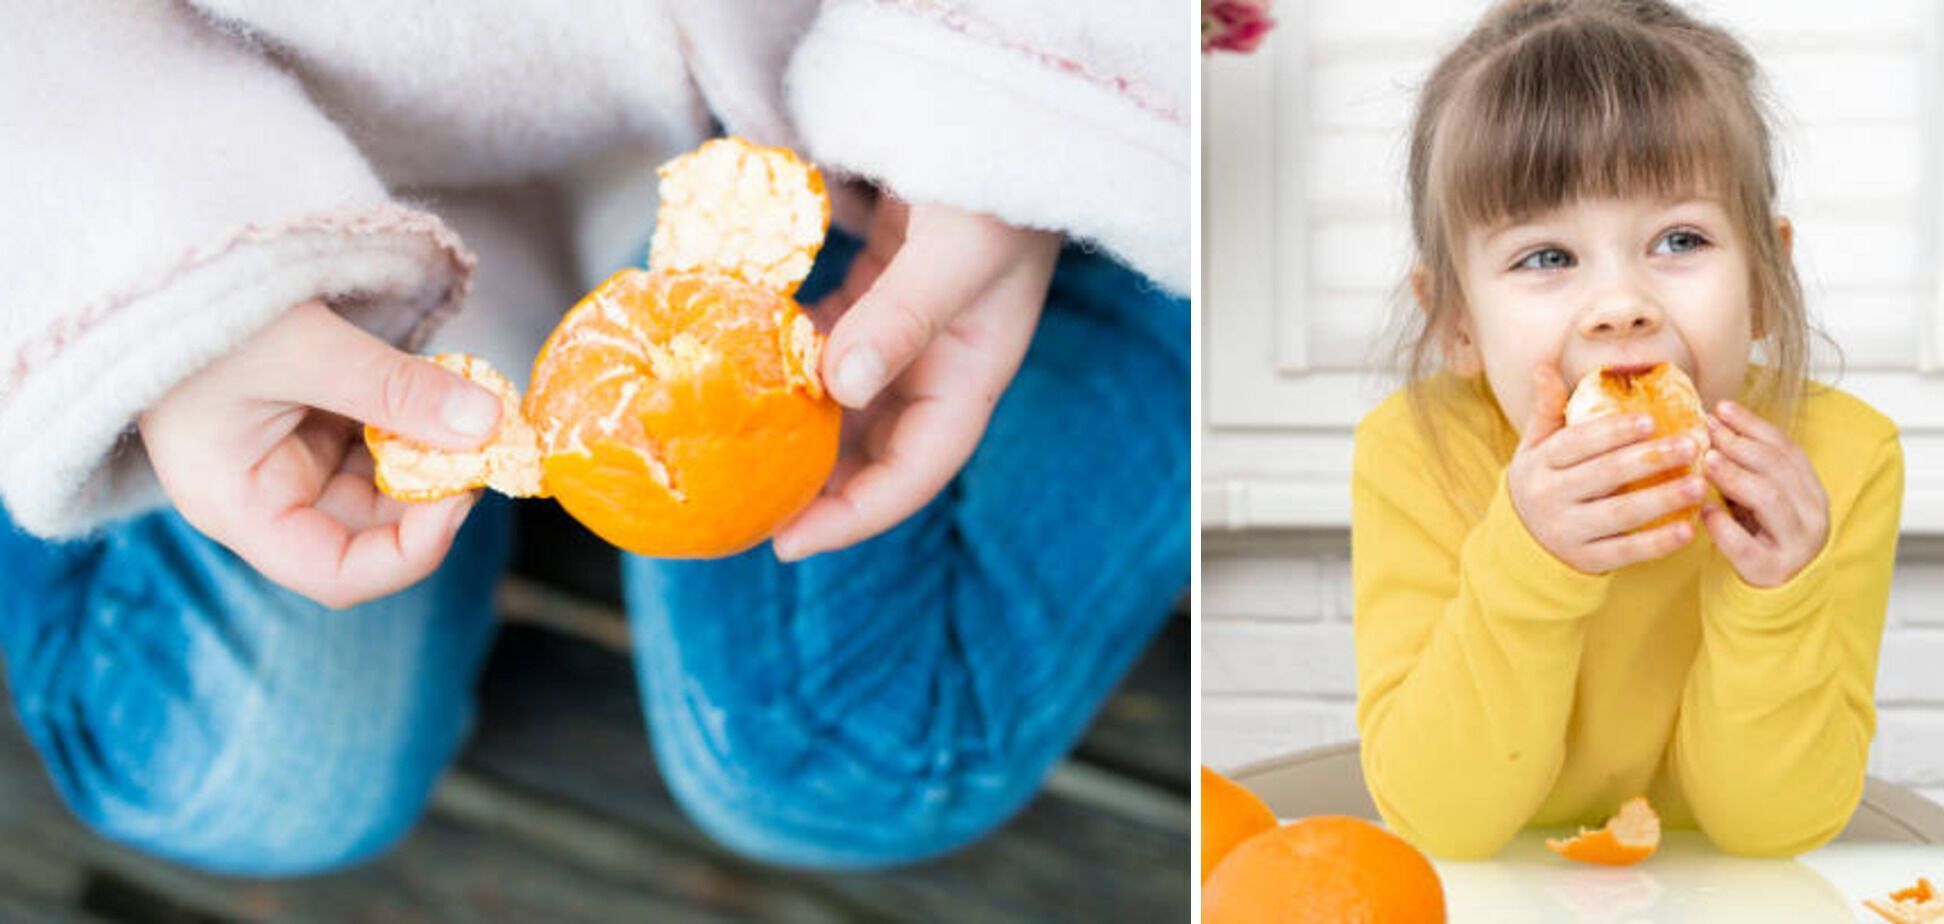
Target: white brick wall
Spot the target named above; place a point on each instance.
(1306, 246)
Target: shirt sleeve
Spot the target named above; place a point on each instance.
(1067, 116)
(1778, 712)
(1468, 640)
(169, 192)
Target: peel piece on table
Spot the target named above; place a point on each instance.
(1914, 904)
(1630, 836)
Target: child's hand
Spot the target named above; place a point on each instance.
(1783, 519)
(262, 452)
(1562, 481)
(937, 313)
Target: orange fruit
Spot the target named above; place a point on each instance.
(1630, 836)
(682, 413)
(1661, 391)
(1230, 815)
(1915, 904)
(1324, 869)
(675, 412)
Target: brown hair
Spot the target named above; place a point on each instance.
(1547, 101)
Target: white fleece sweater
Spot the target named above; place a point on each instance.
(177, 174)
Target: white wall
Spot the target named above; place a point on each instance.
(1304, 237)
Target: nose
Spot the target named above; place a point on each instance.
(1621, 312)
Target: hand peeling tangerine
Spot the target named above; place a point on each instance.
(676, 412)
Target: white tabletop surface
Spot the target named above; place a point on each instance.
(1687, 880)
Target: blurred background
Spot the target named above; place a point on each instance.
(1305, 242)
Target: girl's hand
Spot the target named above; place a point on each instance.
(936, 316)
(1563, 481)
(262, 451)
(1782, 515)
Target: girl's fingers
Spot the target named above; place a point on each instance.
(1773, 507)
(1548, 412)
(1729, 535)
(1751, 453)
(1634, 509)
(1750, 425)
(1604, 474)
(1631, 548)
(1578, 443)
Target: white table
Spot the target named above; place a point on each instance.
(1687, 880)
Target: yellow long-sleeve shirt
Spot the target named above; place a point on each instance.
(1499, 688)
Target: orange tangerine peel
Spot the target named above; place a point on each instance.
(1913, 904)
(1630, 836)
(675, 412)
(509, 463)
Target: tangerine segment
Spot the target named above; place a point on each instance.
(1230, 814)
(1324, 870)
(680, 414)
(510, 464)
(1661, 391)
(1630, 836)
(739, 209)
(1914, 904)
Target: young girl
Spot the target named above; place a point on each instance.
(224, 220)
(1591, 185)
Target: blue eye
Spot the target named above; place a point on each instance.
(1547, 258)
(1680, 240)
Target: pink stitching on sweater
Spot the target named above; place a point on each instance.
(384, 218)
(955, 19)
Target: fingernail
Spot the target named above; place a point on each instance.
(470, 411)
(1644, 424)
(859, 376)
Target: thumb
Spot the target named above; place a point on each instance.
(1548, 412)
(335, 365)
(945, 262)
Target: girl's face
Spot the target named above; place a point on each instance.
(1606, 282)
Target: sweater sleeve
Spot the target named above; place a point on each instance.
(1064, 116)
(1468, 639)
(169, 192)
(1778, 712)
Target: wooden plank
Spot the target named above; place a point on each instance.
(447, 869)
(560, 718)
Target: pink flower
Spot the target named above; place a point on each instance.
(1234, 25)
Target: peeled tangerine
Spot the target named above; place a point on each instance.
(675, 411)
(1630, 836)
(1661, 391)
(1917, 904)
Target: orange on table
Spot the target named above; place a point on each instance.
(1914, 904)
(677, 411)
(1630, 836)
(1230, 814)
(1324, 870)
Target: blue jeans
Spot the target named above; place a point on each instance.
(864, 708)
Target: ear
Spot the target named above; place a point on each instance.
(1785, 235)
(1454, 336)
